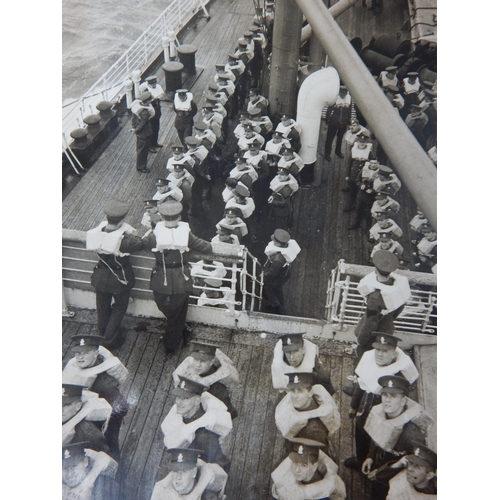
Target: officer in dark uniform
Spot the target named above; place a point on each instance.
(337, 117)
(106, 383)
(158, 95)
(277, 269)
(142, 113)
(170, 278)
(113, 278)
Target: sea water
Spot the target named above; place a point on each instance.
(95, 33)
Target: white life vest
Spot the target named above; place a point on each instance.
(394, 295)
(254, 160)
(173, 193)
(225, 300)
(290, 252)
(417, 221)
(279, 368)
(183, 105)
(394, 248)
(398, 101)
(247, 209)
(176, 238)
(379, 185)
(207, 134)
(227, 194)
(367, 173)
(369, 372)
(343, 102)
(291, 421)
(361, 154)
(108, 243)
(216, 419)
(177, 181)
(238, 225)
(185, 160)
(425, 247)
(219, 271)
(350, 136)
(376, 229)
(137, 107)
(237, 174)
(201, 152)
(238, 66)
(226, 74)
(276, 185)
(234, 240)
(401, 489)
(384, 80)
(155, 92)
(275, 147)
(432, 154)
(296, 160)
(411, 88)
(260, 100)
(73, 374)
(391, 204)
(286, 129)
(243, 142)
(385, 432)
(286, 487)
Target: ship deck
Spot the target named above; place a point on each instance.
(255, 447)
(320, 226)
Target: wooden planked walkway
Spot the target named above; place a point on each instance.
(320, 226)
(254, 447)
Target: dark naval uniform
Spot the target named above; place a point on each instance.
(170, 278)
(113, 276)
(142, 113)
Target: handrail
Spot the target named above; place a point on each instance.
(139, 55)
(344, 305)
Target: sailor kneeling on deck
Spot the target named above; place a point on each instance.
(307, 472)
(113, 278)
(199, 421)
(190, 476)
(170, 278)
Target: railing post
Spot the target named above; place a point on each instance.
(136, 78)
(345, 295)
(432, 301)
(234, 280)
(128, 92)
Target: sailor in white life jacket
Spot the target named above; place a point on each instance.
(281, 251)
(197, 420)
(213, 92)
(386, 225)
(307, 411)
(183, 180)
(388, 77)
(263, 122)
(243, 172)
(94, 367)
(208, 365)
(275, 146)
(384, 203)
(291, 130)
(427, 249)
(185, 109)
(393, 427)
(171, 282)
(255, 100)
(416, 224)
(84, 414)
(213, 120)
(386, 181)
(396, 99)
(203, 132)
(235, 65)
(258, 159)
(385, 242)
(191, 477)
(241, 199)
(151, 85)
(410, 88)
(293, 353)
(165, 191)
(113, 278)
(291, 161)
(385, 293)
(249, 136)
(225, 234)
(179, 156)
(413, 477)
(386, 358)
(244, 119)
(232, 217)
(307, 472)
(220, 70)
(86, 473)
(282, 186)
(150, 217)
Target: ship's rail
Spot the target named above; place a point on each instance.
(141, 54)
(345, 305)
(242, 280)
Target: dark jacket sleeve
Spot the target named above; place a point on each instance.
(199, 245)
(322, 376)
(143, 122)
(131, 244)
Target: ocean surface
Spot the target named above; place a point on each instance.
(95, 33)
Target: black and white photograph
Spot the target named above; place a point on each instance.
(249, 249)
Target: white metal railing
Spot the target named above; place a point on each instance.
(138, 56)
(344, 304)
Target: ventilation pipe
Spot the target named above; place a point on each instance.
(319, 89)
(335, 11)
(411, 162)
